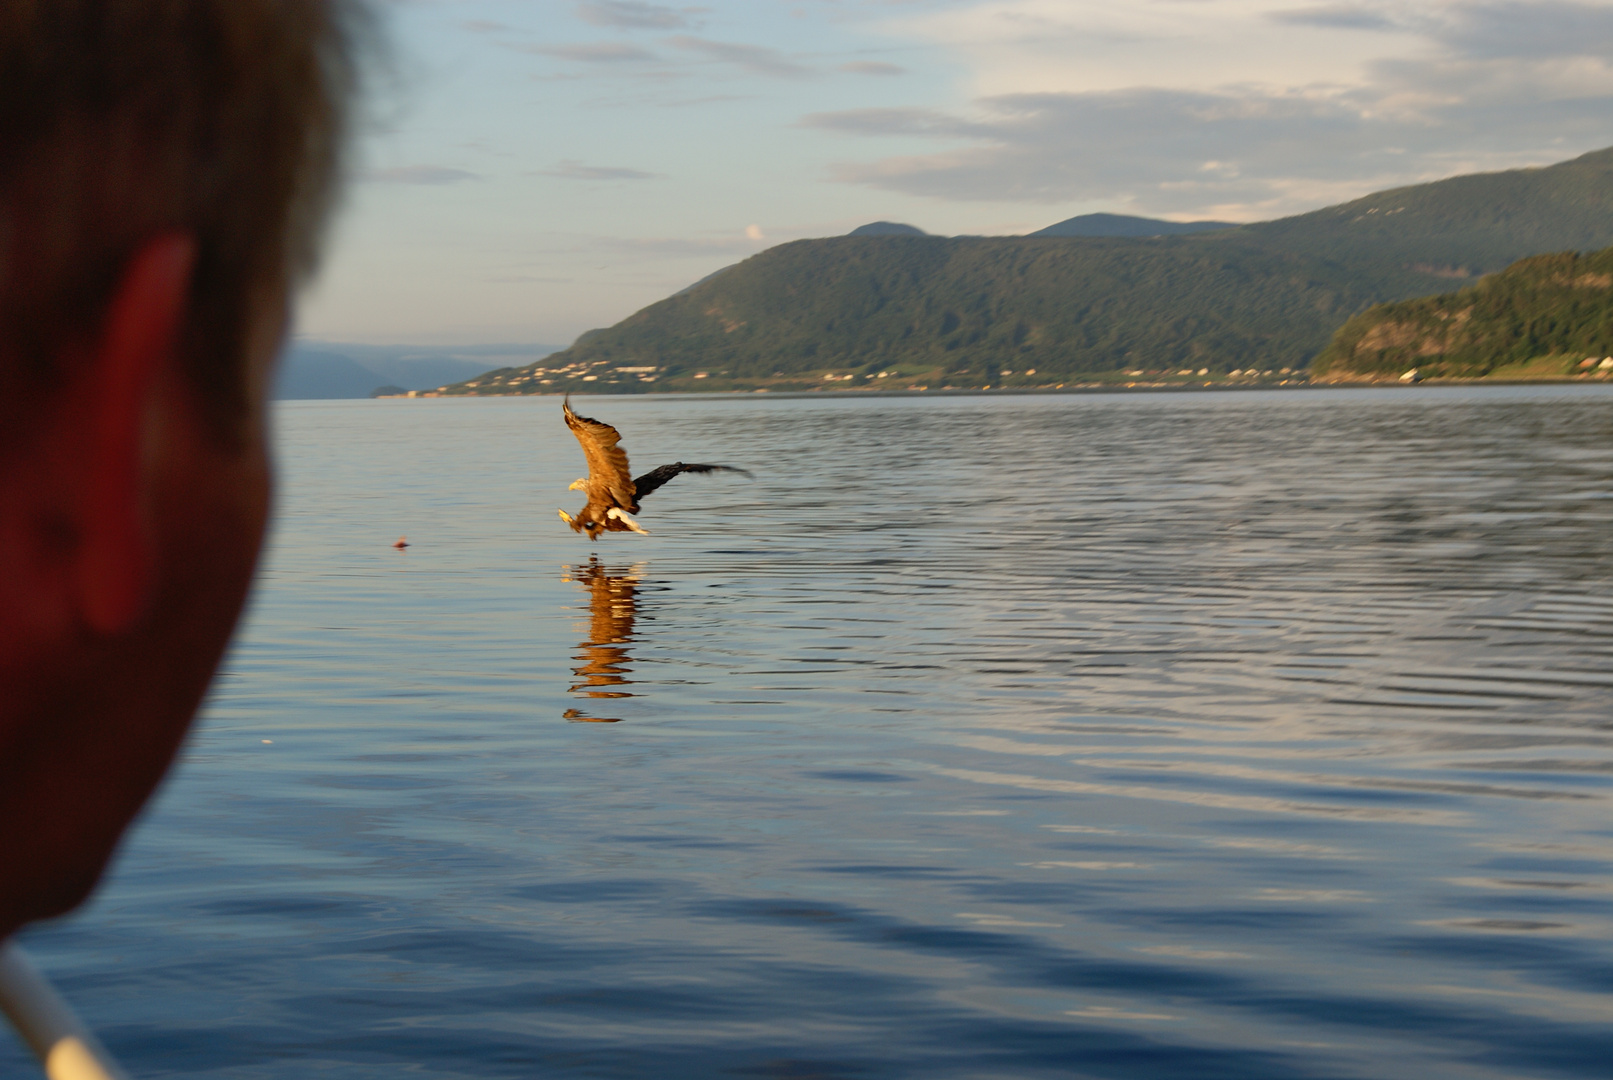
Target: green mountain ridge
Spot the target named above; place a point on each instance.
(1041, 310)
(887, 228)
(1128, 225)
(1542, 317)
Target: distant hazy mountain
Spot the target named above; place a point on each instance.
(1126, 225)
(887, 228)
(339, 370)
(309, 373)
(967, 310)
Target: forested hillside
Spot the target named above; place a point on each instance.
(1543, 316)
(1033, 310)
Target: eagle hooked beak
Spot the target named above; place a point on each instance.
(579, 485)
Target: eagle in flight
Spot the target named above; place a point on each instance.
(612, 491)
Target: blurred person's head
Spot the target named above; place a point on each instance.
(166, 167)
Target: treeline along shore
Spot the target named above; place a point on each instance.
(1279, 302)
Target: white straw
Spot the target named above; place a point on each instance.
(57, 1037)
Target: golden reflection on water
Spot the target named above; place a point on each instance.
(605, 662)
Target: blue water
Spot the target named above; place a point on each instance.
(1246, 735)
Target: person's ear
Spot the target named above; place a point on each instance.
(116, 561)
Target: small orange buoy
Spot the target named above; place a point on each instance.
(402, 542)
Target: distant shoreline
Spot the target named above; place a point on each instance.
(1137, 388)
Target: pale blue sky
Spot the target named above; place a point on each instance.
(537, 168)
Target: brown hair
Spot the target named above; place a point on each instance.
(122, 119)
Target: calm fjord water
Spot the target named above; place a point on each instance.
(1258, 735)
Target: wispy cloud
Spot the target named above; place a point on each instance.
(1455, 87)
(1336, 17)
(1548, 28)
(872, 67)
(1167, 150)
(756, 59)
(633, 15)
(899, 121)
(576, 170)
(417, 174)
(599, 52)
(1513, 28)
(678, 247)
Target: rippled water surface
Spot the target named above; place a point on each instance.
(1254, 735)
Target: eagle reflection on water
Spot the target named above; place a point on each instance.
(612, 605)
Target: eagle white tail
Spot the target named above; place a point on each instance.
(616, 512)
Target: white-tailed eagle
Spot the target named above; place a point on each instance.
(612, 491)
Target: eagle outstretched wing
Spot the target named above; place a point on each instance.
(607, 462)
(656, 477)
